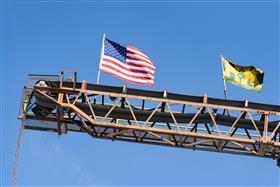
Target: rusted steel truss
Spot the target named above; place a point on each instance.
(79, 110)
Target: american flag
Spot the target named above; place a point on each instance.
(127, 63)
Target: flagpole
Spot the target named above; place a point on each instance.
(225, 85)
(101, 57)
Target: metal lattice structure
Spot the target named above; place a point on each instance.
(151, 117)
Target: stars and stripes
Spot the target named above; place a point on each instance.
(127, 63)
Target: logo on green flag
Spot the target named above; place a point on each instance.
(247, 77)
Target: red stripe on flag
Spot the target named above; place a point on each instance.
(134, 48)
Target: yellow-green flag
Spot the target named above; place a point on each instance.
(247, 77)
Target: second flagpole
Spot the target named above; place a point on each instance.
(101, 57)
(225, 85)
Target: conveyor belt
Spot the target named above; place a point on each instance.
(142, 115)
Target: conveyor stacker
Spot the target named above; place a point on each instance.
(61, 105)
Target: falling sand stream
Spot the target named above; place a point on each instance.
(16, 156)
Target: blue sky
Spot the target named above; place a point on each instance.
(184, 39)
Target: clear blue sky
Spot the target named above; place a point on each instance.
(184, 39)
